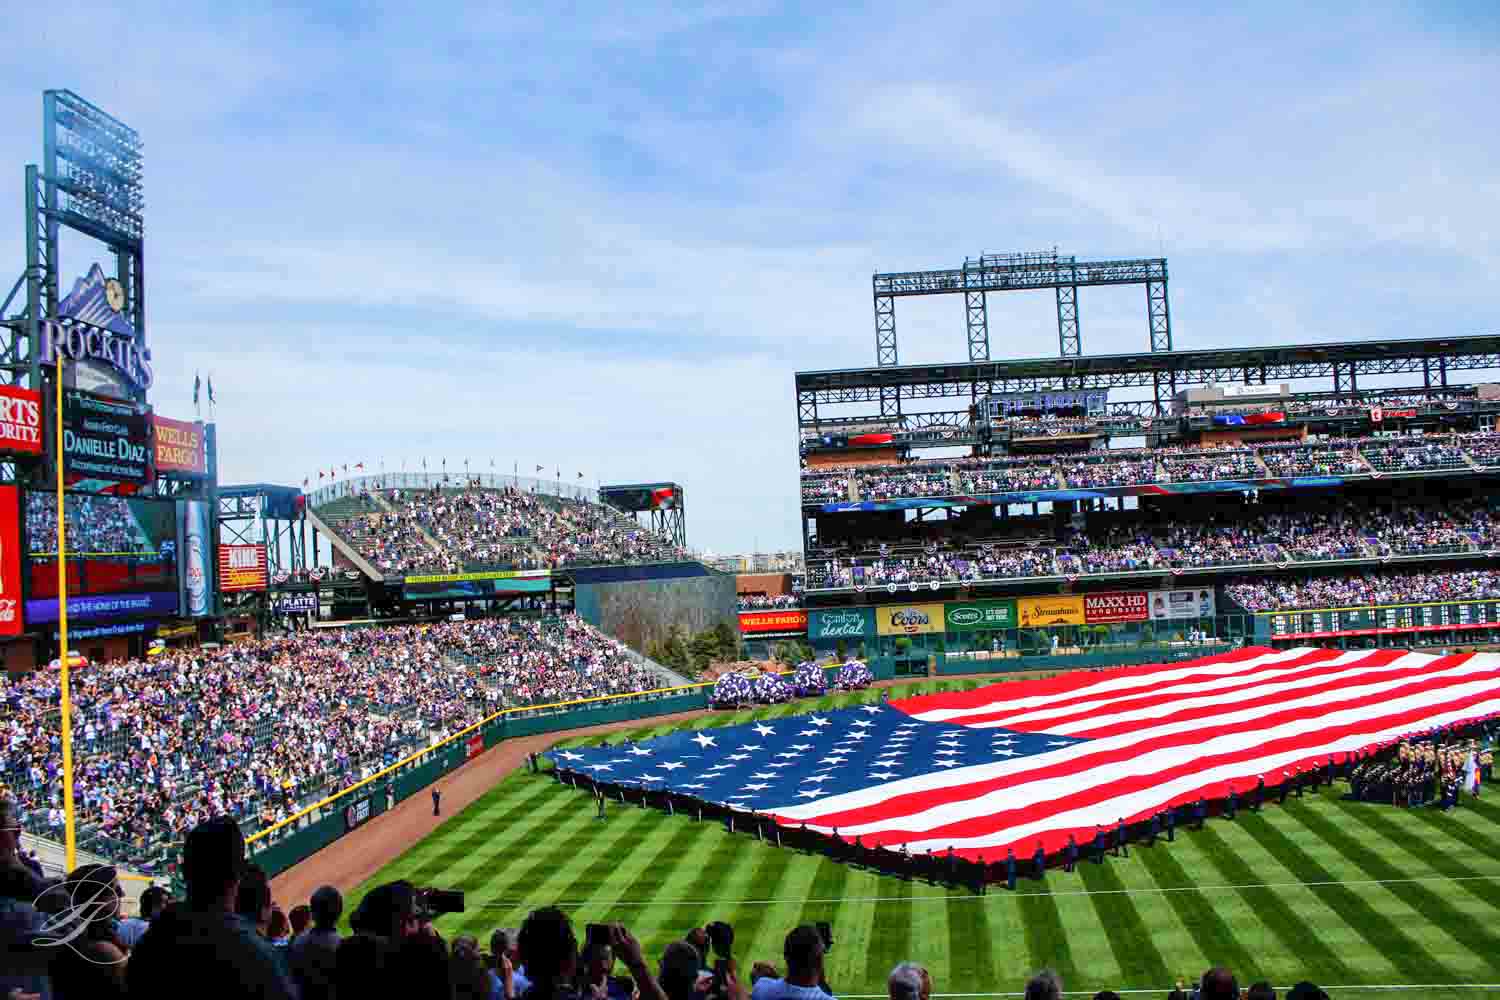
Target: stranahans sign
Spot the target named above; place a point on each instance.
(91, 328)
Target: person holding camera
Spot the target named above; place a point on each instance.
(804, 950)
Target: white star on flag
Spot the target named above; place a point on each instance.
(819, 722)
(639, 751)
(870, 708)
(566, 755)
(945, 763)
(808, 795)
(704, 740)
(764, 729)
(671, 767)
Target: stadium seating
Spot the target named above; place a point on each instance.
(1364, 589)
(458, 530)
(288, 718)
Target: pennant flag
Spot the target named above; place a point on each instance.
(1010, 764)
(320, 473)
(197, 384)
(539, 468)
(346, 468)
(580, 475)
(359, 465)
(304, 483)
(210, 388)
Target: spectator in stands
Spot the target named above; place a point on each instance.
(1218, 984)
(1045, 985)
(93, 965)
(469, 978)
(360, 966)
(1305, 991)
(153, 901)
(551, 952)
(679, 971)
(909, 981)
(507, 977)
(803, 951)
(253, 903)
(313, 955)
(1260, 991)
(299, 917)
(202, 941)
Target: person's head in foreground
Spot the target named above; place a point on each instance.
(388, 911)
(213, 862)
(1045, 985)
(1305, 991)
(550, 947)
(909, 981)
(1261, 991)
(803, 952)
(679, 970)
(1218, 984)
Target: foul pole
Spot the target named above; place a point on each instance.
(70, 843)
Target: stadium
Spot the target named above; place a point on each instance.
(1095, 672)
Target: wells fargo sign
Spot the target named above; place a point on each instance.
(761, 622)
(179, 446)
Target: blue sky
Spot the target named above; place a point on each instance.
(604, 240)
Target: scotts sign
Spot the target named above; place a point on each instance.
(974, 615)
(20, 420)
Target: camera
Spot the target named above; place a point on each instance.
(436, 902)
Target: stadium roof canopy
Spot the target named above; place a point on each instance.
(1166, 371)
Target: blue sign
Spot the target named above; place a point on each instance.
(101, 631)
(95, 606)
(295, 604)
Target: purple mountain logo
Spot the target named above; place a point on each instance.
(88, 302)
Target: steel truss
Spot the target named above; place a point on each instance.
(1164, 373)
(1020, 272)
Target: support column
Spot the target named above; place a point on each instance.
(1069, 336)
(885, 331)
(976, 316)
(1159, 314)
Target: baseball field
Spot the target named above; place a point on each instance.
(1365, 900)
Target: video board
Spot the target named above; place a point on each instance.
(122, 557)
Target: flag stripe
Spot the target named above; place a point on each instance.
(1090, 761)
(1154, 738)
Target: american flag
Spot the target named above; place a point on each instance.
(1012, 764)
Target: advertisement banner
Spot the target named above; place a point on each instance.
(508, 574)
(972, 616)
(195, 572)
(1171, 605)
(908, 619)
(1038, 612)
(179, 447)
(1335, 622)
(10, 561)
(474, 746)
(1125, 606)
(156, 604)
(106, 439)
(841, 623)
(295, 604)
(356, 814)
(754, 622)
(20, 420)
(242, 567)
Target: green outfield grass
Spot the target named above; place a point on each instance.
(1342, 893)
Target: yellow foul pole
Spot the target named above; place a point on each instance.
(70, 841)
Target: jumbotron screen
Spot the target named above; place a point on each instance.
(122, 557)
(650, 496)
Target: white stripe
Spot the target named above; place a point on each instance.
(1131, 682)
(957, 777)
(1262, 680)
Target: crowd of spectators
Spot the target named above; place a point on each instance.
(1171, 464)
(1365, 589)
(1253, 537)
(231, 935)
(96, 524)
(450, 531)
(1414, 454)
(254, 728)
(763, 602)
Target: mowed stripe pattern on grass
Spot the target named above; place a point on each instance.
(529, 842)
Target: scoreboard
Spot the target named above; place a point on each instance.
(1334, 622)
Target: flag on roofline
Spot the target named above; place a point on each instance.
(1014, 764)
(210, 388)
(539, 468)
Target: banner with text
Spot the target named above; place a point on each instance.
(10, 561)
(973, 616)
(761, 622)
(302, 603)
(841, 623)
(1335, 622)
(20, 420)
(1125, 606)
(908, 619)
(242, 567)
(1040, 612)
(1171, 605)
(105, 439)
(179, 447)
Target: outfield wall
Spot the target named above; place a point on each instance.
(639, 605)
